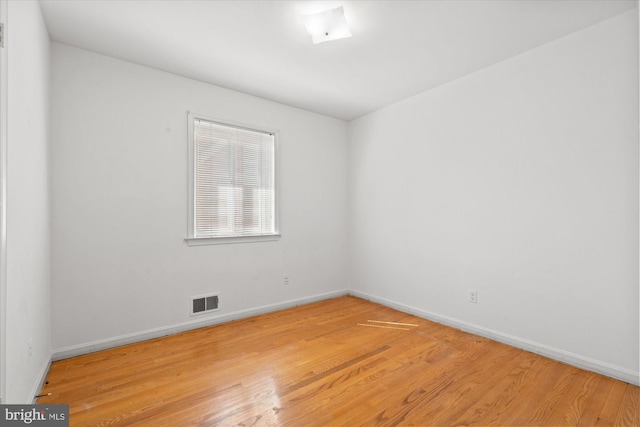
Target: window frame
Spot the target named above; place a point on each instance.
(191, 239)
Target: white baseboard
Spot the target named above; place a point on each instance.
(42, 377)
(80, 349)
(576, 360)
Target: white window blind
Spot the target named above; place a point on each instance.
(234, 181)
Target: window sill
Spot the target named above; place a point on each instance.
(202, 241)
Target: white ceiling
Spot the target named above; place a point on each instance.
(398, 48)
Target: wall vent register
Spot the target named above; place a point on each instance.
(200, 305)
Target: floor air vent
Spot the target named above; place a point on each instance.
(201, 305)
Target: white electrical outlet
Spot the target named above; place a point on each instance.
(285, 279)
(473, 296)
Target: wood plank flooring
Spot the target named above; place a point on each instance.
(328, 364)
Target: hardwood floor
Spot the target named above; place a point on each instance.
(329, 364)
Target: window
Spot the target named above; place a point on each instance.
(232, 183)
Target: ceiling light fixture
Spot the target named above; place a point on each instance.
(326, 26)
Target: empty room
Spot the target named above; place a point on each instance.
(319, 213)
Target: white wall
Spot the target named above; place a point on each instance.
(119, 210)
(519, 181)
(28, 231)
